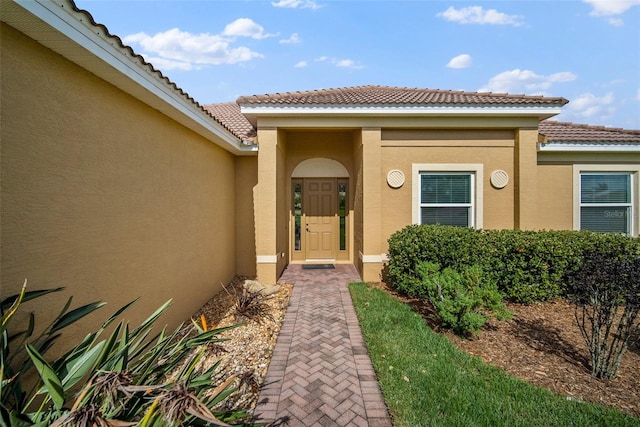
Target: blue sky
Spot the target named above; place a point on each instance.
(587, 51)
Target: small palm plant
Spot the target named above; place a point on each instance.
(131, 377)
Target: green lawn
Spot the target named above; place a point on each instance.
(427, 381)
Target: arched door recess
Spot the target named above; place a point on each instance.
(319, 210)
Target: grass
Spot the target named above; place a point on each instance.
(427, 381)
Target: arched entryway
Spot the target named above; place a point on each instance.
(319, 220)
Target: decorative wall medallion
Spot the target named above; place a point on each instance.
(499, 179)
(395, 178)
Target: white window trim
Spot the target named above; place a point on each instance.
(634, 170)
(478, 179)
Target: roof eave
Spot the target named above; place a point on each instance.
(86, 45)
(602, 147)
(255, 110)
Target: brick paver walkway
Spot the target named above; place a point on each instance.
(320, 373)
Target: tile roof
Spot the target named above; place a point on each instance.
(394, 96)
(554, 132)
(230, 116)
(566, 132)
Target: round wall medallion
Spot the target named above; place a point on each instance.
(499, 179)
(395, 178)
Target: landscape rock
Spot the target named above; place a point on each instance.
(255, 286)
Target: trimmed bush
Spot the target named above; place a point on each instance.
(528, 266)
(442, 245)
(464, 300)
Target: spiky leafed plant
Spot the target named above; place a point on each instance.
(252, 305)
(130, 377)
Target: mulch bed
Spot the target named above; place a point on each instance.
(542, 345)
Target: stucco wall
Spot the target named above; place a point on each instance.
(336, 145)
(105, 195)
(555, 197)
(246, 182)
(494, 149)
(282, 205)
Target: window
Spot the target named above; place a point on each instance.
(448, 194)
(606, 202)
(606, 198)
(446, 199)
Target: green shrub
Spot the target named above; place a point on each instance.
(606, 294)
(130, 377)
(528, 266)
(415, 244)
(464, 300)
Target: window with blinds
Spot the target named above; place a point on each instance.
(446, 198)
(606, 202)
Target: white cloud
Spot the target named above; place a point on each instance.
(347, 63)
(245, 27)
(294, 4)
(301, 64)
(638, 95)
(175, 49)
(286, 3)
(478, 15)
(590, 106)
(342, 63)
(168, 64)
(616, 22)
(611, 7)
(613, 82)
(294, 39)
(525, 81)
(460, 61)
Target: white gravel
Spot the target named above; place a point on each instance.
(247, 351)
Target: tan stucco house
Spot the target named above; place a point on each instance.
(117, 184)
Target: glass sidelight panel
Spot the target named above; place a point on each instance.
(342, 213)
(297, 214)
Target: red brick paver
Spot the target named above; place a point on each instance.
(320, 373)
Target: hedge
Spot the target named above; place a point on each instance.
(528, 266)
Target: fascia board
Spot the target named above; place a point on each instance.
(387, 121)
(329, 110)
(147, 85)
(589, 148)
